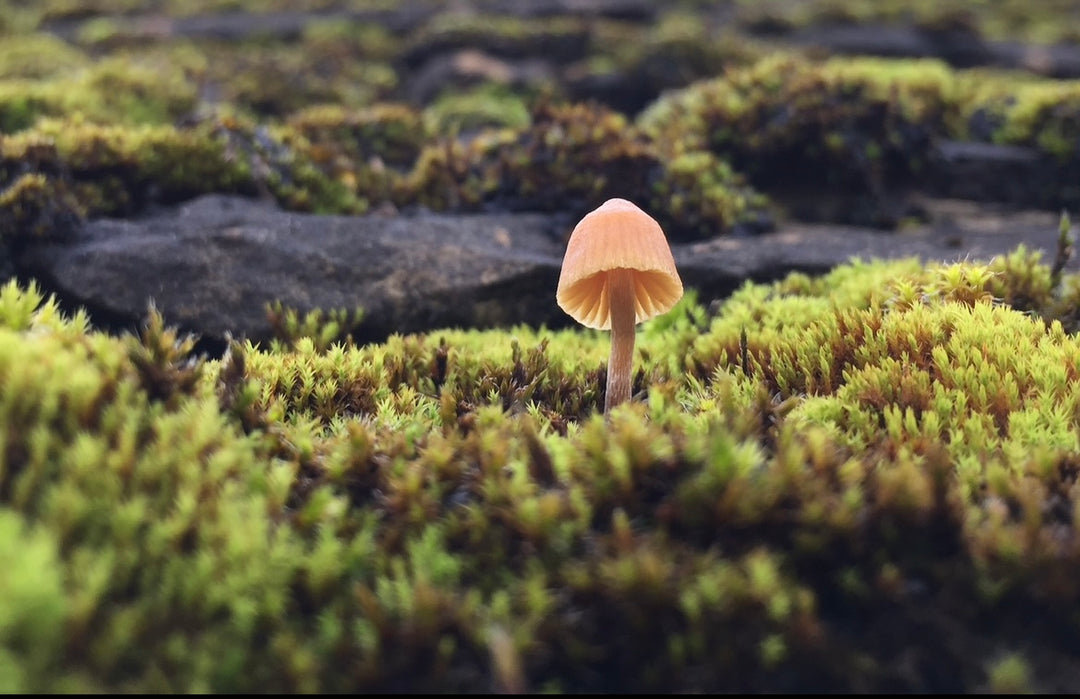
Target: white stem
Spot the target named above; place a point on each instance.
(621, 294)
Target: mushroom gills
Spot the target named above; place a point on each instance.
(590, 298)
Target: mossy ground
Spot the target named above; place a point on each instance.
(827, 475)
(860, 482)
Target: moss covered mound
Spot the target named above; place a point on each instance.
(828, 475)
(867, 127)
(573, 158)
(565, 158)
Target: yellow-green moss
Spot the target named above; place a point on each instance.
(1041, 114)
(118, 169)
(806, 480)
(393, 133)
(118, 89)
(864, 126)
(826, 475)
(1010, 675)
(705, 196)
(856, 121)
(37, 56)
(468, 111)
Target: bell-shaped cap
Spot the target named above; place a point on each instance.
(617, 235)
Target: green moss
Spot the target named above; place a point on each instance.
(1040, 114)
(703, 194)
(866, 127)
(858, 123)
(1010, 675)
(391, 133)
(116, 90)
(37, 56)
(823, 476)
(452, 510)
(34, 605)
(457, 112)
(574, 157)
(322, 329)
(33, 206)
(372, 41)
(111, 170)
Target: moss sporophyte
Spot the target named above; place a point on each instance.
(618, 271)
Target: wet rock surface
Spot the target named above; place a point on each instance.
(214, 264)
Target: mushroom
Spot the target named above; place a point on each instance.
(617, 271)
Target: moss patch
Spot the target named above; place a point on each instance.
(827, 473)
(573, 158)
(864, 126)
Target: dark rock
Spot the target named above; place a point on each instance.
(630, 10)
(1060, 61)
(867, 39)
(959, 230)
(989, 172)
(7, 269)
(628, 91)
(959, 47)
(213, 265)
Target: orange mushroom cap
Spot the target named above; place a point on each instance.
(617, 235)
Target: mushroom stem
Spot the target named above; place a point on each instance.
(623, 319)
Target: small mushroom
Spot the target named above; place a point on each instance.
(618, 271)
